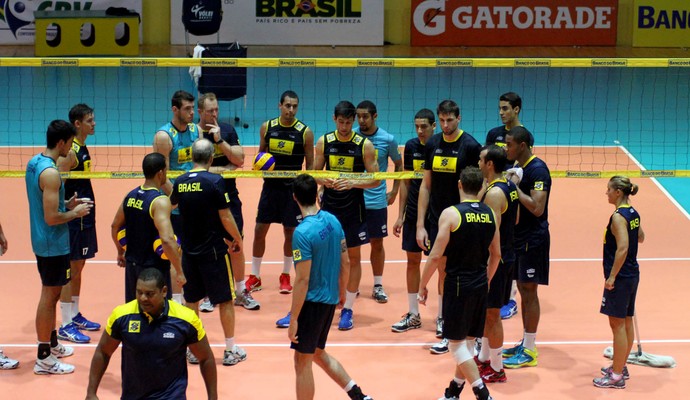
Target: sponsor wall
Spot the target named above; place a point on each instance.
(17, 16)
(290, 22)
(514, 22)
(661, 23)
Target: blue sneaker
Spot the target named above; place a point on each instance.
(71, 332)
(284, 322)
(345, 323)
(510, 352)
(524, 358)
(509, 310)
(82, 323)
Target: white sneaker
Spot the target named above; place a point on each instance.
(234, 356)
(206, 305)
(440, 347)
(246, 300)
(191, 358)
(61, 351)
(51, 366)
(6, 362)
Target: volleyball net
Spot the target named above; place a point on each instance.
(590, 117)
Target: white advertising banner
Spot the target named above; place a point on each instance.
(289, 22)
(17, 16)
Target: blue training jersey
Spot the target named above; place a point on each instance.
(46, 240)
(180, 156)
(318, 239)
(386, 146)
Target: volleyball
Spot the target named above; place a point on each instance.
(122, 237)
(264, 162)
(158, 247)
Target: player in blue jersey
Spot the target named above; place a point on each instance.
(346, 151)
(425, 125)
(5, 362)
(228, 155)
(377, 199)
(82, 231)
(321, 260)
(532, 242)
(155, 334)
(174, 141)
(622, 274)
(49, 214)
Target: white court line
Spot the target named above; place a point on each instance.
(382, 344)
(563, 260)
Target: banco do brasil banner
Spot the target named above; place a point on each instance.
(514, 22)
(290, 22)
(17, 16)
(661, 23)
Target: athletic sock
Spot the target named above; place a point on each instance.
(459, 381)
(240, 285)
(43, 350)
(378, 280)
(349, 299)
(349, 385)
(478, 383)
(229, 343)
(496, 356)
(616, 376)
(484, 354)
(177, 297)
(440, 306)
(66, 313)
(412, 303)
(529, 340)
(75, 306)
(53, 338)
(256, 266)
(287, 264)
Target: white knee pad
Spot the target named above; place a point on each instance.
(459, 351)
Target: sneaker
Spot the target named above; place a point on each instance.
(51, 366)
(524, 358)
(509, 309)
(234, 356)
(191, 358)
(481, 365)
(6, 362)
(491, 376)
(71, 332)
(285, 286)
(609, 369)
(439, 327)
(408, 321)
(246, 300)
(61, 351)
(379, 294)
(345, 323)
(440, 347)
(477, 346)
(284, 322)
(452, 391)
(507, 353)
(253, 283)
(205, 305)
(607, 381)
(356, 394)
(82, 323)
(482, 393)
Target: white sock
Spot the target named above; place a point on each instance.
(349, 385)
(440, 306)
(229, 343)
(378, 280)
(177, 297)
(256, 266)
(287, 264)
(241, 286)
(478, 383)
(349, 299)
(459, 381)
(484, 354)
(529, 341)
(75, 306)
(513, 291)
(496, 356)
(66, 312)
(413, 303)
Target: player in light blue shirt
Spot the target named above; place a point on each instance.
(376, 199)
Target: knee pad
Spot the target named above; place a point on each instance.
(459, 351)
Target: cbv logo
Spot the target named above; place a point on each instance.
(65, 5)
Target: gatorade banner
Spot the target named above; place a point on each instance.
(514, 22)
(289, 22)
(661, 23)
(17, 16)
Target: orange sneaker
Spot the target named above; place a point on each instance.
(253, 283)
(285, 286)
